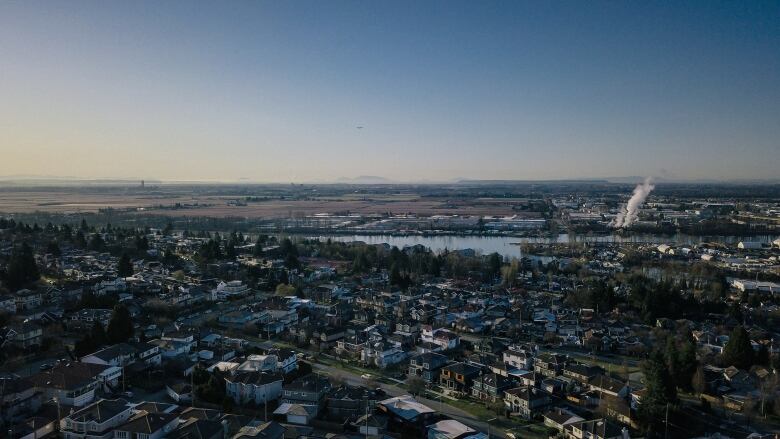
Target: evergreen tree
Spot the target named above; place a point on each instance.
(660, 390)
(671, 357)
(699, 381)
(141, 243)
(687, 364)
(738, 351)
(96, 243)
(361, 263)
(494, 265)
(125, 266)
(80, 241)
(98, 334)
(120, 328)
(258, 250)
(53, 248)
(395, 275)
(85, 346)
(762, 356)
(22, 268)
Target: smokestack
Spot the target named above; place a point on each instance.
(630, 211)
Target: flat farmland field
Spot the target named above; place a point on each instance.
(242, 202)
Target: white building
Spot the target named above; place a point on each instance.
(256, 387)
(234, 288)
(750, 245)
(96, 421)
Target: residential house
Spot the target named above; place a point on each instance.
(296, 413)
(549, 365)
(145, 425)
(370, 425)
(125, 354)
(74, 384)
(559, 418)
(595, 429)
(27, 299)
(309, 390)
(350, 402)
(18, 398)
(490, 387)
(406, 416)
(97, 420)
(458, 377)
(382, 354)
(443, 338)
(427, 366)
(194, 428)
(266, 430)
(8, 304)
(520, 357)
(582, 373)
(606, 385)
(526, 402)
(255, 387)
(452, 429)
(22, 336)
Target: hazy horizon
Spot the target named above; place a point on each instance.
(277, 91)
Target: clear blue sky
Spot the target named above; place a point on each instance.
(273, 91)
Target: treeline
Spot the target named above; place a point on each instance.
(650, 299)
(410, 264)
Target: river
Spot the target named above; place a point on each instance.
(507, 245)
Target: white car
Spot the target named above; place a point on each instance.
(366, 376)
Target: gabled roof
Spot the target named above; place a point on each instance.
(562, 417)
(100, 411)
(148, 423)
(451, 429)
(462, 368)
(255, 378)
(528, 393)
(406, 407)
(68, 376)
(195, 428)
(268, 430)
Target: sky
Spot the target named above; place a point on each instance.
(274, 91)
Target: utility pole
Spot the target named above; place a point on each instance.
(666, 426)
(366, 421)
(59, 414)
(488, 423)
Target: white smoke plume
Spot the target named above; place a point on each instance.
(630, 211)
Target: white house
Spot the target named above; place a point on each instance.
(257, 387)
(97, 420)
(234, 288)
(441, 337)
(750, 245)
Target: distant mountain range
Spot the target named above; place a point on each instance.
(46, 180)
(365, 179)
